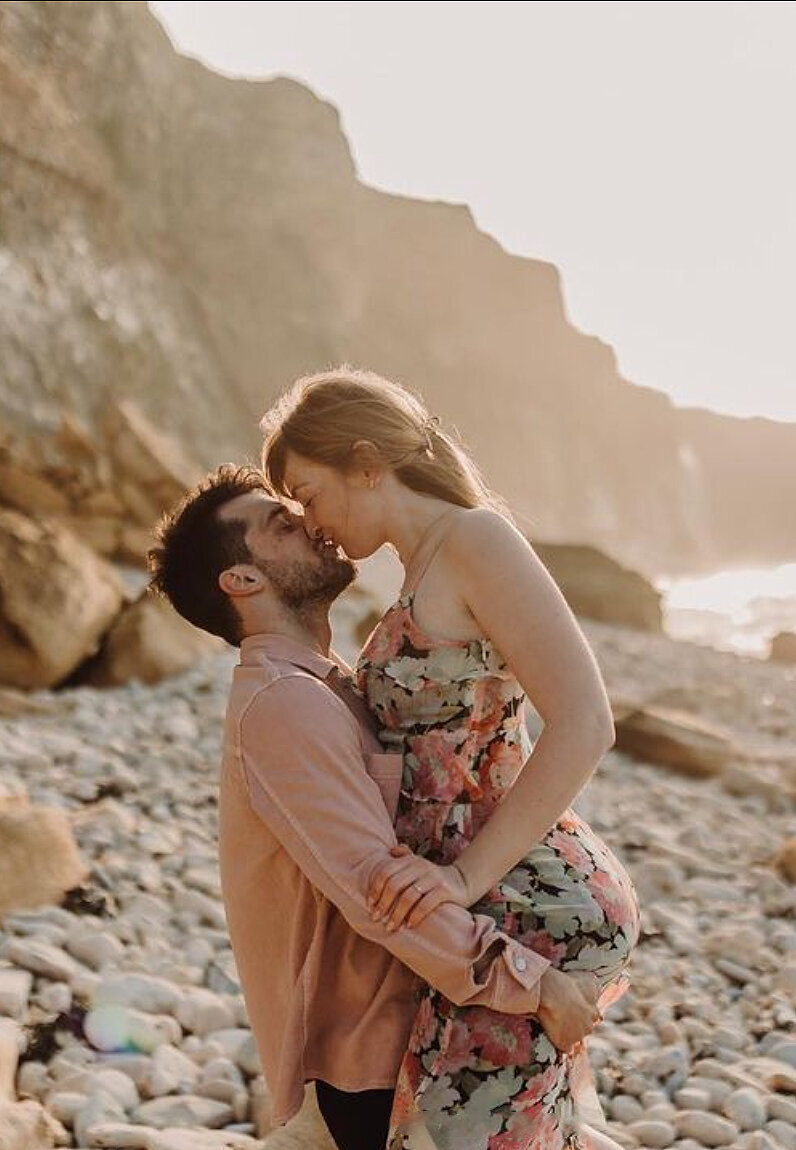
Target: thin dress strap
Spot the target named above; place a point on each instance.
(415, 572)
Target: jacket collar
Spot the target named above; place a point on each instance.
(276, 646)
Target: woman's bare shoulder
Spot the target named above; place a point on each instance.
(476, 527)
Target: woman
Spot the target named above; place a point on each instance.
(479, 626)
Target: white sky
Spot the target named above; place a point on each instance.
(647, 149)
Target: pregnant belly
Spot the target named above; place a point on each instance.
(570, 899)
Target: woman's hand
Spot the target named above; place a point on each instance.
(408, 887)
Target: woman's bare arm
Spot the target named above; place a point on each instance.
(518, 605)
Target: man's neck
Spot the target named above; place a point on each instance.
(311, 627)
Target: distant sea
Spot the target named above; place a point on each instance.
(734, 610)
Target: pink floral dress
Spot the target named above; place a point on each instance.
(478, 1079)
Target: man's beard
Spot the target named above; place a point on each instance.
(302, 585)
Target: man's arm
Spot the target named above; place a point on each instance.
(302, 760)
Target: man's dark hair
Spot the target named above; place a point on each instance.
(194, 546)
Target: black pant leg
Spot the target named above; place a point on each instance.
(357, 1120)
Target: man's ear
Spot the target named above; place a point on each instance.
(242, 579)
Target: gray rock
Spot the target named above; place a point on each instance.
(141, 991)
(15, 987)
(654, 1134)
(100, 1107)
(707, 1128)
(782, 1108)
(119, 1136)
(784, 1051)
(39, 958)
(171, 1071)
(782, 1132)
(185, 1110)
(693, 1098)
(745, 1107)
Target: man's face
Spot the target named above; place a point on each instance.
(301, 572)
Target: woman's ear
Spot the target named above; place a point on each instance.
(367, 461)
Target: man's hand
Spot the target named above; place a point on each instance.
(568, 1006)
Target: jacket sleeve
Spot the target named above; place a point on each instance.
(303, 764)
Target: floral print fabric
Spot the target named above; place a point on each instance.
(472, 1078)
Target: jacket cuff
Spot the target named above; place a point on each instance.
(527, 968)
(512, 982)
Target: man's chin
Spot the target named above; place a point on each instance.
(342, 573)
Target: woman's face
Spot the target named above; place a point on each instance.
(340, 506)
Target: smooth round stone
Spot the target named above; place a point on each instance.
(758, 1140)
(119, 1136)
(660, 1112)
(634, 1084)
(199, 952)
(669, 1066)
(782, 1132)
(171, 1071)
(97, 948)
(40, 958)
(671, 1033)
(692, 1098)
(221, 1089)
(99, 1108)
(625, 1109)
(784, 979)
(221, 1068)
(695, 1028)
(718, 1088)
(55, 997)
(114, 1083)
(707, 1128)
(778, 1106)
(729, 1038)
(64, 1104)
(746, 1108)
(771, 1039)
(201, 1011)
(183, 1110)
(656, 1135)
(784, 1051)
(33, 1079)
(140, 991)
(652, 1098)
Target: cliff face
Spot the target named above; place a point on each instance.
(194, 242)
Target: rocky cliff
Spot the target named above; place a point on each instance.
(194, 242)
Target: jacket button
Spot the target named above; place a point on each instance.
(520, 963)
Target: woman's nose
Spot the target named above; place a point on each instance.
(312, 531)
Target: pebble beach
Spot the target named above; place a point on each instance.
(121, 1019)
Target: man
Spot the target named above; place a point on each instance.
(306, 801)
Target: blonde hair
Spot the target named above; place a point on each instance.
(321, 417)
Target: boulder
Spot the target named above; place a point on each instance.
(597, 587)
(28, 1126)
(99, 532)
(24, 489)
(11, 1043)
(57, 598)
(785, 859)
(672, 738)
(39, 858)
(783, 647)
(150, 641)
(146, 458)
